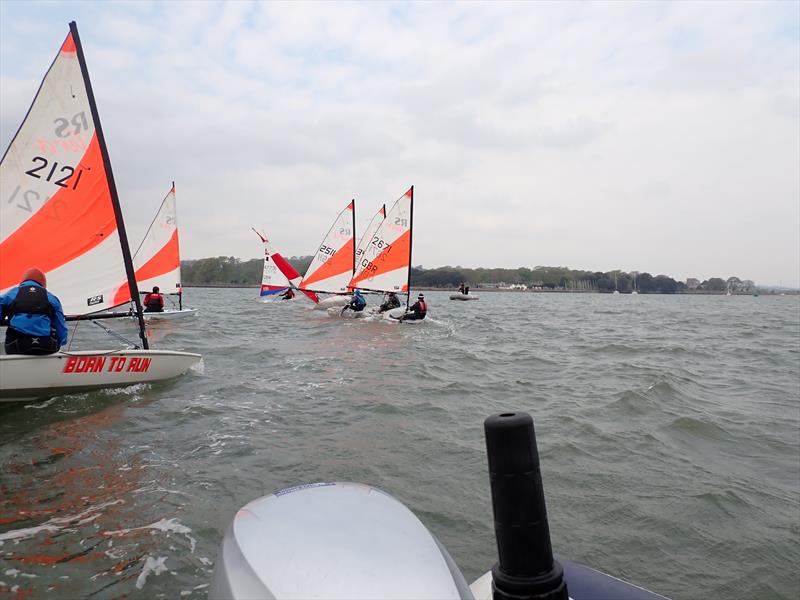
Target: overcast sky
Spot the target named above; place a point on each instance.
(660, 137)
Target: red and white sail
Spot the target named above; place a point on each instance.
(385, 264)
(158, 259)
(331, 268)
(278, 274)
(56, 208)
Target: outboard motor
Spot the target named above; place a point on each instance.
(333, 540)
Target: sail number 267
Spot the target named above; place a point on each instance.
(64, 173)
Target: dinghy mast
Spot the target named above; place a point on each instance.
(123, 236)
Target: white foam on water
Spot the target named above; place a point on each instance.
(40, 405)
(165, 525)
(57, 523)
(151, 565)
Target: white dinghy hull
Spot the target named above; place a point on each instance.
(170, 314)
(332, 302)
(394, 316)
(25, 377)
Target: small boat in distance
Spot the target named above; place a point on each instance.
(157, 260)
(63, 216)
(463, 294)
(464, 297)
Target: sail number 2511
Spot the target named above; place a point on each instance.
(65, 170)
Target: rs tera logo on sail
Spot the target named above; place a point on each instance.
(94, 300)
(68, 132)
(78, 121)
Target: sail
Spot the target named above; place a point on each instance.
(58, 205)
(369, 232)
(331, 268)
(386, 262)
(158, 259)
(278, 274)
(273, 281)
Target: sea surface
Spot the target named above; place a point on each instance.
(668, 427)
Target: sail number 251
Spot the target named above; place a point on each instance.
(65, 170)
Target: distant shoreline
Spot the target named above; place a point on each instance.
(477, 291)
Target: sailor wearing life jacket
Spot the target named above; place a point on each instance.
(36, 323)
(154, 301)
(417, 311)
(357, 302)
(392, 301)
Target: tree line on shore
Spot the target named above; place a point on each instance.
(228, 270)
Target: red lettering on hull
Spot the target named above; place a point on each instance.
(117, 364)
(96, 364)
(139, 365)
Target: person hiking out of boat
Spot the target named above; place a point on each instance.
(392, 301)
(36, 323)
(357, 302)
(417, 311)
(288, 294)
(154, 301)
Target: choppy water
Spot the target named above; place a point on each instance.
(668, 427)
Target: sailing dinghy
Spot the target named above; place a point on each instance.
(61, 213)
(278, 274)
(158, 260)
(333, 264)
(335, 302)
(385, 265)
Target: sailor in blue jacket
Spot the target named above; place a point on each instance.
(357, 302)
(36, 323)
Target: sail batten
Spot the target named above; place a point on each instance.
(59, 209)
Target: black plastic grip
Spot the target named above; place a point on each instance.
(526, 568)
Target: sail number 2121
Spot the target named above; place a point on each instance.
(65, 170)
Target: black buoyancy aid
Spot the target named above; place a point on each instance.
(423, 308)
(154, 301)
(31, 300)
